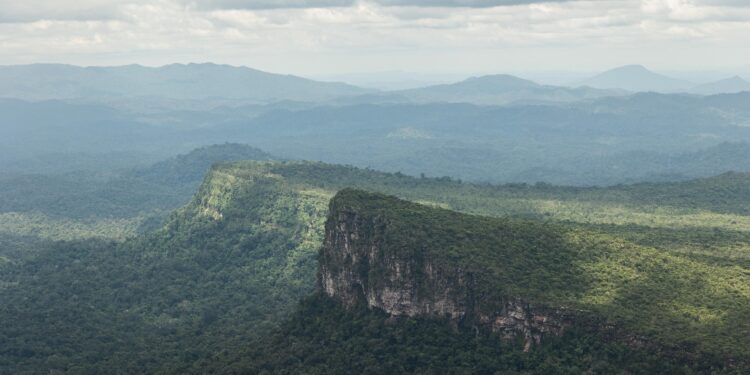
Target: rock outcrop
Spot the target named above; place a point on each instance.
(358, 265)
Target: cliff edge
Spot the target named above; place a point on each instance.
(410, 260)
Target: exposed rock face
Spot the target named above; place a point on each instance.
(356, 266)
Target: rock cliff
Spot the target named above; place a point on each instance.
(362, 262)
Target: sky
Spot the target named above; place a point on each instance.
(335, 37)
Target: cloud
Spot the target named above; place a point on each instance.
(34, 10)
(266, 4)
(462, 3)
(97, 10)
(88, 10)
(333, 35)
(729, 3)
(92, 10)
(298, 4)
(288, 4)
(695, 11)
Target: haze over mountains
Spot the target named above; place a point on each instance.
(103, 268)
(500, 89)
(729, 85)
(637, 78)
(198, 84)
(206, 86)
(497, 128)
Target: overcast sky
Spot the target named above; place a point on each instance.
(339, 36)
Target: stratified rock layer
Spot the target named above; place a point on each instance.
(357, 266)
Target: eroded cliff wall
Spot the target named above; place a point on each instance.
(358, 264)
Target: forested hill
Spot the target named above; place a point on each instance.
(190, 168)
(166, 85)
(114, 205)
(230, 266)
(642, 137)
(441, 262)
(406, 288)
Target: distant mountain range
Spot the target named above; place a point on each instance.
(725, 86)
(195, 87)
(637, 78)
(500, 89)
(208, 86)
(204, 84)
(576, 143)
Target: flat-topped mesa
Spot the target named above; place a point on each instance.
(408, 260)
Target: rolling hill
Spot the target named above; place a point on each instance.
(635, 78)
(725, 86)
(39, 208)
(501, 89)
(646, 136)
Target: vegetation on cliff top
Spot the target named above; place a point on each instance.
(228, 267)
(673, 300)
(116, 205)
